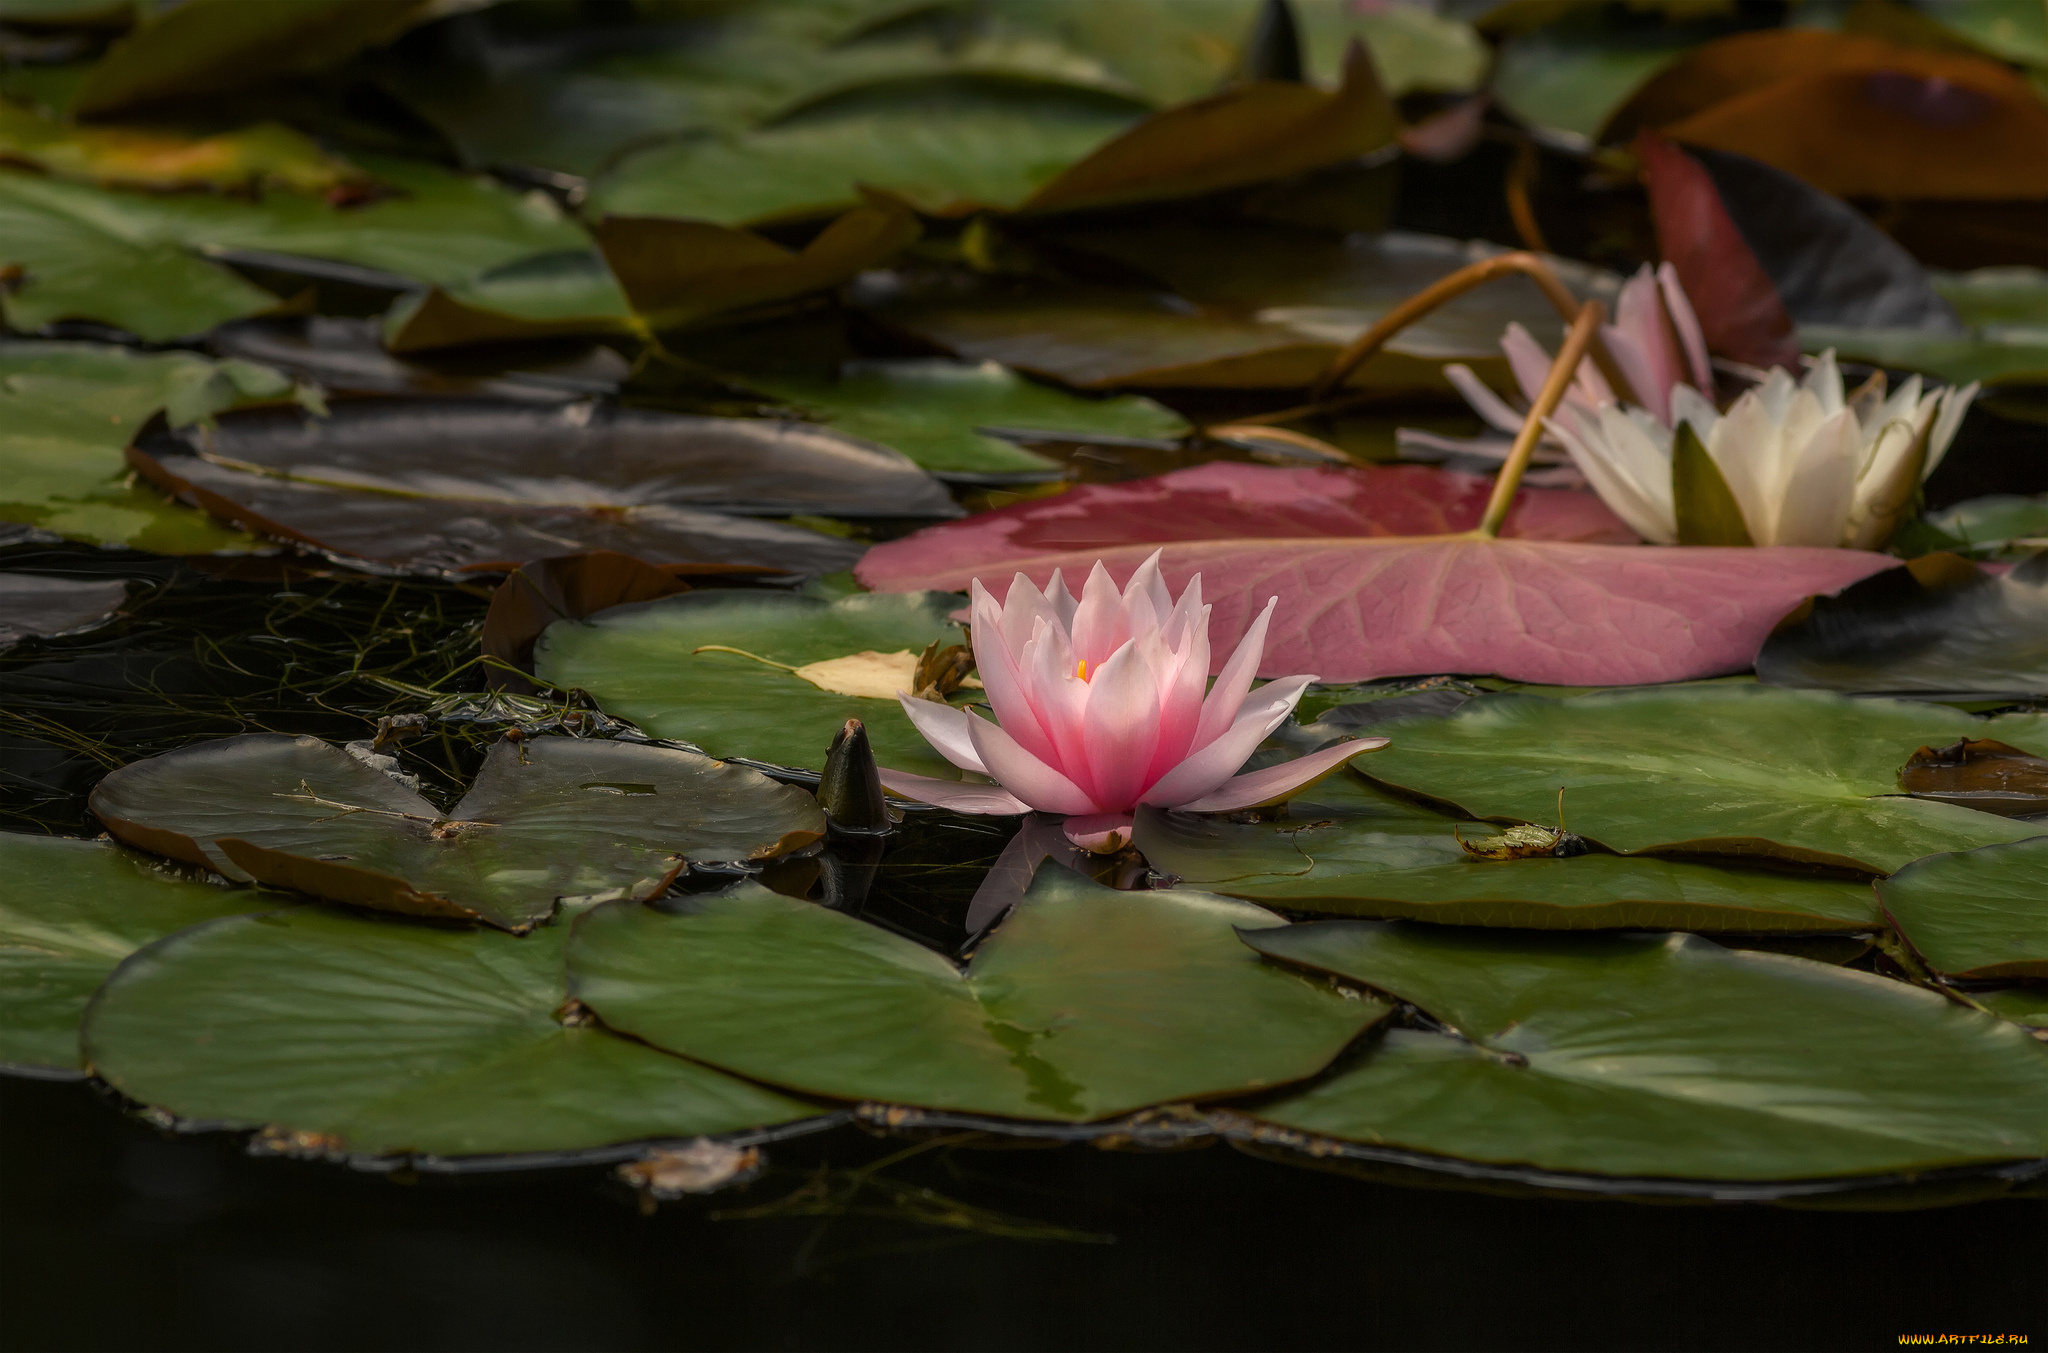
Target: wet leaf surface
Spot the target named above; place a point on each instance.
(70, 912)
(640, 663)
(1976, 913)
(1663, 1056)
(442, 485)
(362, 1036)
(1936, 626)
(250, 159)
(1086, 1003)
(548, 818)
(34, 604)
(933, 410)
(1564, 613)
(1344, 850)
(1725, 770)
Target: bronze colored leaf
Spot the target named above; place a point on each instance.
(1979, 773)
(1707, 511)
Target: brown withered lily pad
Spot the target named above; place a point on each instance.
(440, 486)
(547, 819)
(1979, 773)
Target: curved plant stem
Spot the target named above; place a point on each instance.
(1449, 289)
(727, 648)
(1584, 329)
(1521, 177)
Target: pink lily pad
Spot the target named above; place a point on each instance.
(1225, 501)
(1565, 613)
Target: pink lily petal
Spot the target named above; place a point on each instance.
(1687, 323)
(1277, 784)
(1099, 833)
(1483, 400)
(945, 728)
(1529, 360)
(1226, 697)
(1001, 677)
(990, 800)
(1121, 723)
(1024, 774)
(1206, 770)
(1147, 601)
(1101, 624)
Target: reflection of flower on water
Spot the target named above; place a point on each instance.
(1102, 704)
(1806, 463)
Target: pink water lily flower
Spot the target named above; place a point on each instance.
(1656, 341)
(1103, 704)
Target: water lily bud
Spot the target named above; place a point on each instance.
(851, 788)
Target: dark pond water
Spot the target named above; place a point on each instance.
(118, 1237)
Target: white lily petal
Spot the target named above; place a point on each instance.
(1481, 397)
(1822, 490)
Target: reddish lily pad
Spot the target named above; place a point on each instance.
(1230, 501)
(1354, 607)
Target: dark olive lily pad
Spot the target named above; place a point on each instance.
(548, 818)
(1087, 1002)
(69, 912)
(1938, 626)
(443, 485)
(934, 410)
(1977, 913)
(1722, 770)
(1664, 1057)
(348, 356)
(641, 663)
(33, 604)
(1349, 852)
(357, 1035)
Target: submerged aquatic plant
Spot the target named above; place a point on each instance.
(1805, 463)
(1103, 704)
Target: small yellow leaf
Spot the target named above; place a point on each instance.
(877, 676)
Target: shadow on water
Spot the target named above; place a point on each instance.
(117, 1237)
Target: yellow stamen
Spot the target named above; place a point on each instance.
(1082, 670)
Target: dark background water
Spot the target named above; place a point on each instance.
(116, 1236)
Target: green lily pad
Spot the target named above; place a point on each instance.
(548, 818)
(570, 291)
(66, 412)
(1665, 1056)
(1996, 523)
(1348, 851)
(931, 410)
(1721, 770)
(2021, 1005)
(1087, 1002)
(1977, 913)
(639, 662)
(358, 1035)
(71, 911)
(2012, 354)
(139, 261)
(950, 143)
(1571, 81)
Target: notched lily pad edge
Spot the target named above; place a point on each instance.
(1166, 1127)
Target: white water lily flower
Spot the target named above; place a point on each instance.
(1806, 464)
